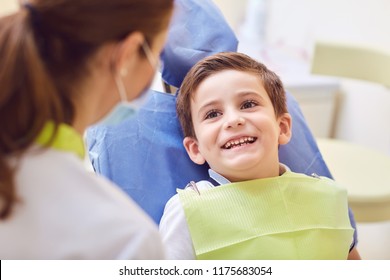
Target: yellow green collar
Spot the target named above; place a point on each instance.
(66, 139)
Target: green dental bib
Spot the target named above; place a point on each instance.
(292, 216)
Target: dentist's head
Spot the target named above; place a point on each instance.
(72, 61)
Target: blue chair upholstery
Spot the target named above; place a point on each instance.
(197, 30)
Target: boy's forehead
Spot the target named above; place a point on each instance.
(226, 77)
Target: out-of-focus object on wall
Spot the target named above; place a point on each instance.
(317, 99)
(294, 27)
(351, 61)
(363, 171)
(233, 10)
(254, 26)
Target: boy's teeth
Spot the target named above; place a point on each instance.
(240, 141)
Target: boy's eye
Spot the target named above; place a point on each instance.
(212, 114)
(249, 104)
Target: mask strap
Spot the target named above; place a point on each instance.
(121, 87)
(149, 55)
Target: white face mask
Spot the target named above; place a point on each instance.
(126, 109)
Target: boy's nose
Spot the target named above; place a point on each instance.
(234, 121)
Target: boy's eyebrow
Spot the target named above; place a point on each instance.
(246, 93)
(208, 104)
(255, 94)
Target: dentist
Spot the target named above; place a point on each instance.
(66, 64)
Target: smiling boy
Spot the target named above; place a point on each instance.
(233, 113)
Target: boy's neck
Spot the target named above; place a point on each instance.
(222, 180)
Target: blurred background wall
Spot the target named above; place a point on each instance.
(291, 28)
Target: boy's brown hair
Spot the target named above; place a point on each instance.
(220, 62)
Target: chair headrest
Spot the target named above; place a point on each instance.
(198, 29)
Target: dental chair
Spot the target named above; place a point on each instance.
(144, 155)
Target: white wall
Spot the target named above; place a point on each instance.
(302, 21)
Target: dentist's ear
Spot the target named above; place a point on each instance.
(192, 148)
(126, 53)
(285, 126)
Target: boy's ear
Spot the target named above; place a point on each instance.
(192, 148)
(285, 125)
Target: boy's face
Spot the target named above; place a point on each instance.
(237, 131)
